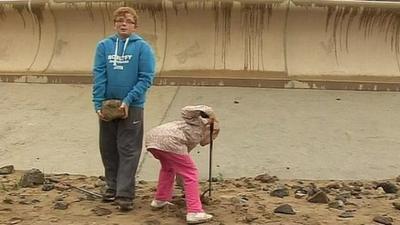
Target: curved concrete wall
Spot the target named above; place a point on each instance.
(319, 44)
(254, 43)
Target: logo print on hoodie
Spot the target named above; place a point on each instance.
(119, 59)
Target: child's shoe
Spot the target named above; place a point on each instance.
(199, 217)
(158, 204)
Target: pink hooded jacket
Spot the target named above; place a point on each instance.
(182, 136)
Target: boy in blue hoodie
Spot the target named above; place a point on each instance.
(123, 69)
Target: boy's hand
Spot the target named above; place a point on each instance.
(101, 115)
(125, 108)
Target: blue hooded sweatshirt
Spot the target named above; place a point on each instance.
(123, 69)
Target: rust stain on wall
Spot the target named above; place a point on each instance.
(222, 29)
(34, 13)
(20, 8)
(370, 21)
(155, 10)
(255, 19)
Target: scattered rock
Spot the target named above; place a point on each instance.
(346, 215)
(311, 189)
(266, 178)
(355, 194)
(238, 185)
(25, 202)
(178, 201)
(333, 185)
(346, 188)
(7, 170)
(15, 220)
(356, 183)
(61, 205)
(319, 197)
(236, 200)
(152, 222)
(101, 211)
(265, 188)
(369, 186)
(383, 220)
(326, 190)
(261, 207)
(59, 198)
(366, 192)
(343, 196)
(280, 192)
(218, 178)
(249, 218)
(388, 187)
(396, 205)
(8, 200)
(398, 178)
(285, 209)
(251, 185)
(380, 191)
(205, 199)
(48, 187)
(54, 220)
(100, 183)
(5, 209)
(61, 187)
(351, 203)
(337, 204)
(356, 189)
(32, 178)
(299, 195)
(241, 205)
(87, 198)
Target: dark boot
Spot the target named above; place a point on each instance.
(109, 195)
(124, 203)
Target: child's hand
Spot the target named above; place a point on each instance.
(215, 133)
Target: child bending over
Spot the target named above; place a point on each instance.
(171, 143)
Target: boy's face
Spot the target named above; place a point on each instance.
(125, 25)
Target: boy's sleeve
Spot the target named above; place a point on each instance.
(146, 74)
(99, 76)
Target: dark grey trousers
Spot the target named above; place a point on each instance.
(120, 148)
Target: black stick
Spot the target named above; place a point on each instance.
(210, 165)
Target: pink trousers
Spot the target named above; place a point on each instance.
(184, 166)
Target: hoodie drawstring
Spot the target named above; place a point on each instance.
(116, 50)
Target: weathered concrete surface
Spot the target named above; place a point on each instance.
(239, 42)
(289, 133)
